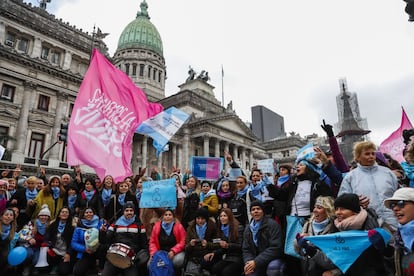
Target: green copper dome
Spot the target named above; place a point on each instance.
(141, 33)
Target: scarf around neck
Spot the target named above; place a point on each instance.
(407, 235)
(167, 227)
(201, 230)
(30, 195)
(225, 230)
(241, 193)
(41, 227)
(257, 190)
(72, 201)
(121, 199)
(5, 231)
(88, 194)
(106, 196)
(208, 194)
(123, 221)
(254, 227)
(354, 222)
(61, 227)
(56, 192)
(282, 180)
(318, 227)
(91, 223)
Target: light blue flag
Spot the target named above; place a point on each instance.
(162, 127)
(161, 193)
(305, 152)
(343, 248)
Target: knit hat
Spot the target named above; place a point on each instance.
(257, 203)
(202, 212)
(4, 183)
(129, 204)
(44, 211)
(348, 201)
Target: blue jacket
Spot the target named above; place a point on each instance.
(78, 239)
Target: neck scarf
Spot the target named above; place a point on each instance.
(407, 235)
(12, 192)
(123, 221)
(206, 195)
(72, 201)
(106, 196)
(354, 222)
(189, 192)
(201, 230)
(241, 193)
(56, 192)
(41, 227)
(222, 194)
(91, 223)
(121, 199)
(257, 190)
(138, 195)
(30, 195)
(6, 231)
(225, 230)
(88, 194)
(318, 227)
(254, 227)
(167, 227)
(2, 196)
(282, 180)
(61, 227)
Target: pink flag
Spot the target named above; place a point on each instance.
(108, 109)
(394, 144)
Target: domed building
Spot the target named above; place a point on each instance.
(140, 55)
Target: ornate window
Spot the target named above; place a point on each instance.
(7, 92)
(10, 39)
(45, 52)
(4, 134)
(43, 103)
(141, 70)
(23, 45)
(127, 69)
(134, 69)
(55, 58)
(37, 142)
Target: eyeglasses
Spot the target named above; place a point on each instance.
(400, 204)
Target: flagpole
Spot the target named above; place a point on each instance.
(222, 85)
(92, 44)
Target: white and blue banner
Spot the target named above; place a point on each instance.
(343, 248)
(266, 166)
(161, 193)
(162, 127)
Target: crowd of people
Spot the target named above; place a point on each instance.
(243, 226)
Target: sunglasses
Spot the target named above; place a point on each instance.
(400, 204)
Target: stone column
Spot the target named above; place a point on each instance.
(236, 154)
(67, 60)
(180, 158)
(206, 145)
(144, 152)
(23, 123)
(2, 32)
(243, 158)
(251, 159)
(217, 148)
(37, 48)
(226, 149)
(60, 114)
(174, 155)
(186, 148)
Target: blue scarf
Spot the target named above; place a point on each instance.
(241, 193)
(201, 230)
(189, 192)
(72, 201)
(93, 223)
(257, 190)
(61, 227)
(138, 195)
(282, 180)
(225, 230)
(123, 221)
(319, 226)
(106, 196)
(41, 227)
(56, 192)
(2, 196)
(88, 194)
(30, 195)
(206, 195)
(12, 192)
(5, 231)
(167, 227)
(254, 227)
(409, 172)
(407, 235)
(121, 199)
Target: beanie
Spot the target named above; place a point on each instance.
(129, 204)
(348, 201)
(44, 211)
(73, 186)
(257, 203)
(202, 212)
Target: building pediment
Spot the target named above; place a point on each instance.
(9, 113)
(41, 120)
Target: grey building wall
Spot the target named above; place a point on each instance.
(266, 124)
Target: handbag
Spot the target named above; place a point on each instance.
(294, 226)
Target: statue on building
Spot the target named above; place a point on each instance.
(203, 76)
(230, 106)
(191, 74)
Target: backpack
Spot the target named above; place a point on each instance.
(161, 265)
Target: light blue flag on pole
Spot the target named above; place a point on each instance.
(306, 152)
(161, 193)
(162, 127)
(343, 248)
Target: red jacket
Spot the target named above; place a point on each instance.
(179, 233)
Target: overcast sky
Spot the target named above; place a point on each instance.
(285, 55)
